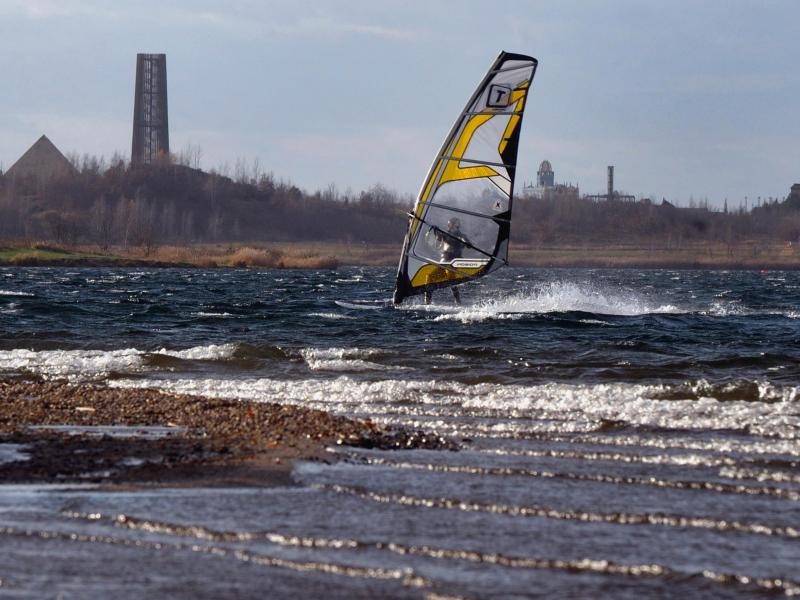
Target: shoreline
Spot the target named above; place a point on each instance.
(136, 438)
(331, 255)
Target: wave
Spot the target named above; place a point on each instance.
(514, 410)
(210, 352)
(346, 545)
(735, 308)
(74, 365)
(344, 359)
(500, 472)
(93, 365)
(405, 575)
(538, 511)
(556, 297)
(81, 365)
(15, 293)
(564, 297)
(753, 407)
(333, 316)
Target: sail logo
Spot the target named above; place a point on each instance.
(469, 263)
(499, 96)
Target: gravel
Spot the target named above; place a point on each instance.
(65, 434)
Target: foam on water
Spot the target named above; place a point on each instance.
(79, 365)
(345, 365)
(82, 365)
(565, 296)
(557, 297)
(726, 309)
(14, 293)
(515, 408)
(210, 352)
(760, 407)
(327, 315)
(73, 365)
(735, 308)
(342, 359)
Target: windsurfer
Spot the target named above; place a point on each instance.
(480, 152)
(450, 244)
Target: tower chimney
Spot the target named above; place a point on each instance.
(150, 123)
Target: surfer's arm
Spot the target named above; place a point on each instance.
(434, 236)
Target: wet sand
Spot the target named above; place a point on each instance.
(131, 437)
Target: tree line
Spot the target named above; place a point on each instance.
(569, 219)
(173, 202)
(170, 202)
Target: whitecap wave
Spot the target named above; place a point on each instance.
(556, 297)
(729, 308)
(346, 365)
(93, 365)
(513, 409)
(342, 359)
(735, 308)
(339, 353)
(210, 352)
(15, 293)
(74, 365)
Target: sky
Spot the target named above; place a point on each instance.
(689, 100)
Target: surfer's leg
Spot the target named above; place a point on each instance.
(456, 294)
(428, 297)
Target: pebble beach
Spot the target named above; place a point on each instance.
(95, 434)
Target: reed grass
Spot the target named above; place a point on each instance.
(751, 254)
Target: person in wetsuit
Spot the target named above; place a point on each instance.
(450, 244)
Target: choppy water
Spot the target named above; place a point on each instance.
(624, 433)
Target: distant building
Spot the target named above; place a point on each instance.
(545, 177)
(41, 163)
(546, 186)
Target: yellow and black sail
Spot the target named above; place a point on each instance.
(460, 223)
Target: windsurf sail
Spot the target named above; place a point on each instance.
(459, 227)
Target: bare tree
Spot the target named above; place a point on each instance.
(101, 222)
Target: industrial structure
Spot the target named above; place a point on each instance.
(610, 193)
(150, 116)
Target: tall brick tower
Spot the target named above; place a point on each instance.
(150, 123)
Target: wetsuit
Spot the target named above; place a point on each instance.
(451, 246)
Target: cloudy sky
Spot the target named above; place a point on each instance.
(687, 99)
